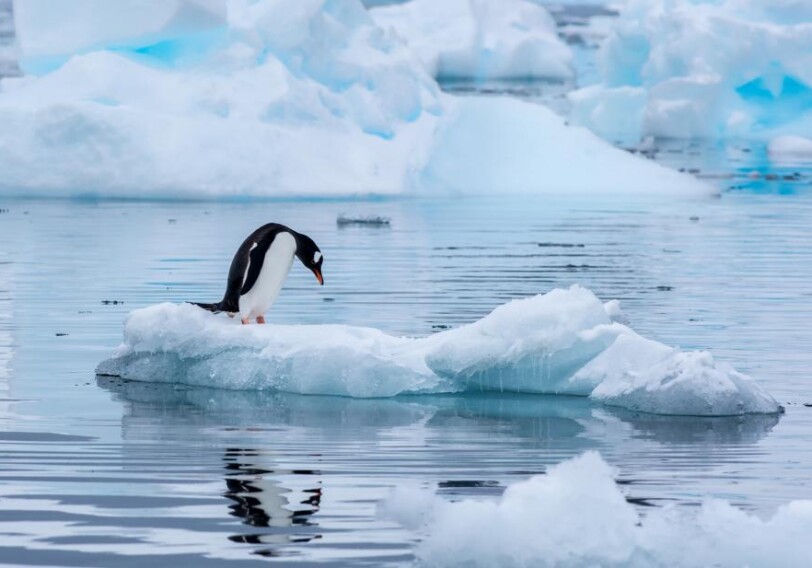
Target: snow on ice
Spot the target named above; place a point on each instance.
(562, 342)
(272, 98)
(576, 515)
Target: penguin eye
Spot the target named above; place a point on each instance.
(316, 257)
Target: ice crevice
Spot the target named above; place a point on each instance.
(564, 342)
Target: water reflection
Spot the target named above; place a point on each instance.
(572, 424)
(279, 514)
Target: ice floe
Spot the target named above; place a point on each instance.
(480, 39)
(563, 342)
(691, 68)
(576, 515)
(272, 98)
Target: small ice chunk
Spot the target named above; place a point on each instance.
(576, 515)
(344, 220)
(790, 148)
(563, 342)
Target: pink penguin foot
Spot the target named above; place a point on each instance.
(245, 321)
(260, 319)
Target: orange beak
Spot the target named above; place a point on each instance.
(319, 277)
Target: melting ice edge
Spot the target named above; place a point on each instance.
(564, 342)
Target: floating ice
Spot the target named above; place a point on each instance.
(344, 220)
(292, 98)
(790, 149)
(692, 68)
(577, 516)
(562, 342)
(481, 39)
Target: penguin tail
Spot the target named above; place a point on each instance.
(214, 308)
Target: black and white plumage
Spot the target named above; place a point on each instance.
(261, 266)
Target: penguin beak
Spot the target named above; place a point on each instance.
(319, 277)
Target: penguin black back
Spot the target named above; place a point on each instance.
(248, 263)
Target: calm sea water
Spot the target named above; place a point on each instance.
(110, 473)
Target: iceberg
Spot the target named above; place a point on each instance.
(481, 40)
(272, 98)
(576, 515)
(47, 38)
(564, 342)
(692, 69)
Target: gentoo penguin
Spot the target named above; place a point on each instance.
(260, 267)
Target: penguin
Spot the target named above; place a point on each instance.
(260, 267)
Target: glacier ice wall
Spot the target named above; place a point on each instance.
(268, 98)
(480, 39)
(576, 515)
(562, 342)
(691, 68)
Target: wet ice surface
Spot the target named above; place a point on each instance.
(108, 472)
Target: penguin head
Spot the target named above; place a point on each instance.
(310, 255)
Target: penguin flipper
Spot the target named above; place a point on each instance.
(256, 260)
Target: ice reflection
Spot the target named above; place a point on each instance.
(522, 432)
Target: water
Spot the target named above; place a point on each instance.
(111, 473)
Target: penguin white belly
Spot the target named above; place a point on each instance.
(275, 269)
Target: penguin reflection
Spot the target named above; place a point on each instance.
(262, 501)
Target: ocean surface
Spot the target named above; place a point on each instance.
(101, 472)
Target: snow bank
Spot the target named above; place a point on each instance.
(577, 516)
(562, 342)
(480, 39)
(271, 98)
(691, 68)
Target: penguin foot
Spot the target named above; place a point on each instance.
(260, 319)
(245, 321)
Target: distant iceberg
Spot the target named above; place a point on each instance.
(481, 40)
(699, 69)
(576, 515)
(271, 98)
(562, 342)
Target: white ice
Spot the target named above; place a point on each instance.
(292, 98)
(50, 32)
(576, 515)
(480, 39)
(692, 68)
(562, 342)
(790, 149)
